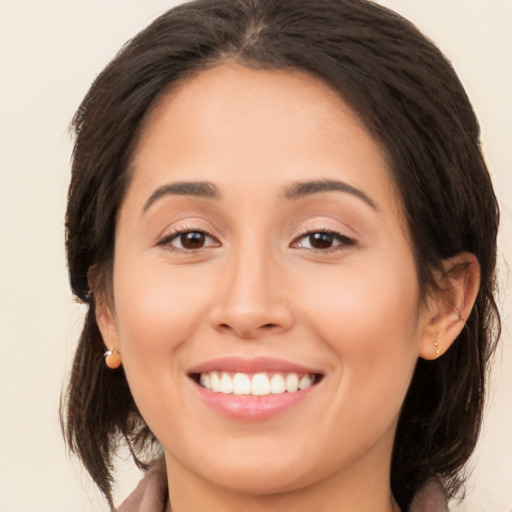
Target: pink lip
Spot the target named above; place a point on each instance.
(256, 365)
(252, 408)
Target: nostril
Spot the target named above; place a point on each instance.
(227, 327)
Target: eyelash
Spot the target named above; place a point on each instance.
(178, 232)
(343, 241)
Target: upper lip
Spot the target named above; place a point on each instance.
(253, 365)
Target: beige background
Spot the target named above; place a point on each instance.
(50, 51)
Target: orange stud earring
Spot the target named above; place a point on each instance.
(112, 358)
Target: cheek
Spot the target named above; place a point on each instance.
(370, 317)
(365, 300)
(157, 310)
(158, 314)
(370, 320)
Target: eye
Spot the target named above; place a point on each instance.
(323, 241)
(189, 240)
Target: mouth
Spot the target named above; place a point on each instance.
(255, 383)
(254, 389)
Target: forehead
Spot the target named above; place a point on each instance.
(236, 123)
(222, 94)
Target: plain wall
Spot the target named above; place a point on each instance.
(50, 51)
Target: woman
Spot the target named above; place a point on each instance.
(285, 232)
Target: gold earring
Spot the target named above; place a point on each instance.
(436, 346)
(112, 358)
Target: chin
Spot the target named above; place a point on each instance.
(260, 480)
(256, 471)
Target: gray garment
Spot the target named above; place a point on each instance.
(151, 495)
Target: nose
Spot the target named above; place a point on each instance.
(252, 298)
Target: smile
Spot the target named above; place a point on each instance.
(256, 384)
(253, 389)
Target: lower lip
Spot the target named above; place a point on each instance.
(253, 408)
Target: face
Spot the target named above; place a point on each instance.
(265, 298)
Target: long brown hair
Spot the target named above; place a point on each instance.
(410, 100)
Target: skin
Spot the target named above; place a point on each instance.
(258, 288)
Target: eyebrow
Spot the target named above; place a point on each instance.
(296, 190)
(203, 189)
(307, 188)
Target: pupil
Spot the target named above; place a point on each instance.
(192, 240)
(320, 240)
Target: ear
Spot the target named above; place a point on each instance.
(103, 309)
(106, 323)
(449, 307)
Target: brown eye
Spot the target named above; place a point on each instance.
(321, 240)
(192, 240)
(189, 240)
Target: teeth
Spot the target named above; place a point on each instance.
(277, 384)
(305, 382)
(207, 382)
(258, 384)
(292, 382)
(226, 384)
(215, 380)
(241, 384)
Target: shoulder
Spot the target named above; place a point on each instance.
(151, 493)
(430, 498)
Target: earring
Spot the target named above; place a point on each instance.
(112, 358)
(436, 346)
